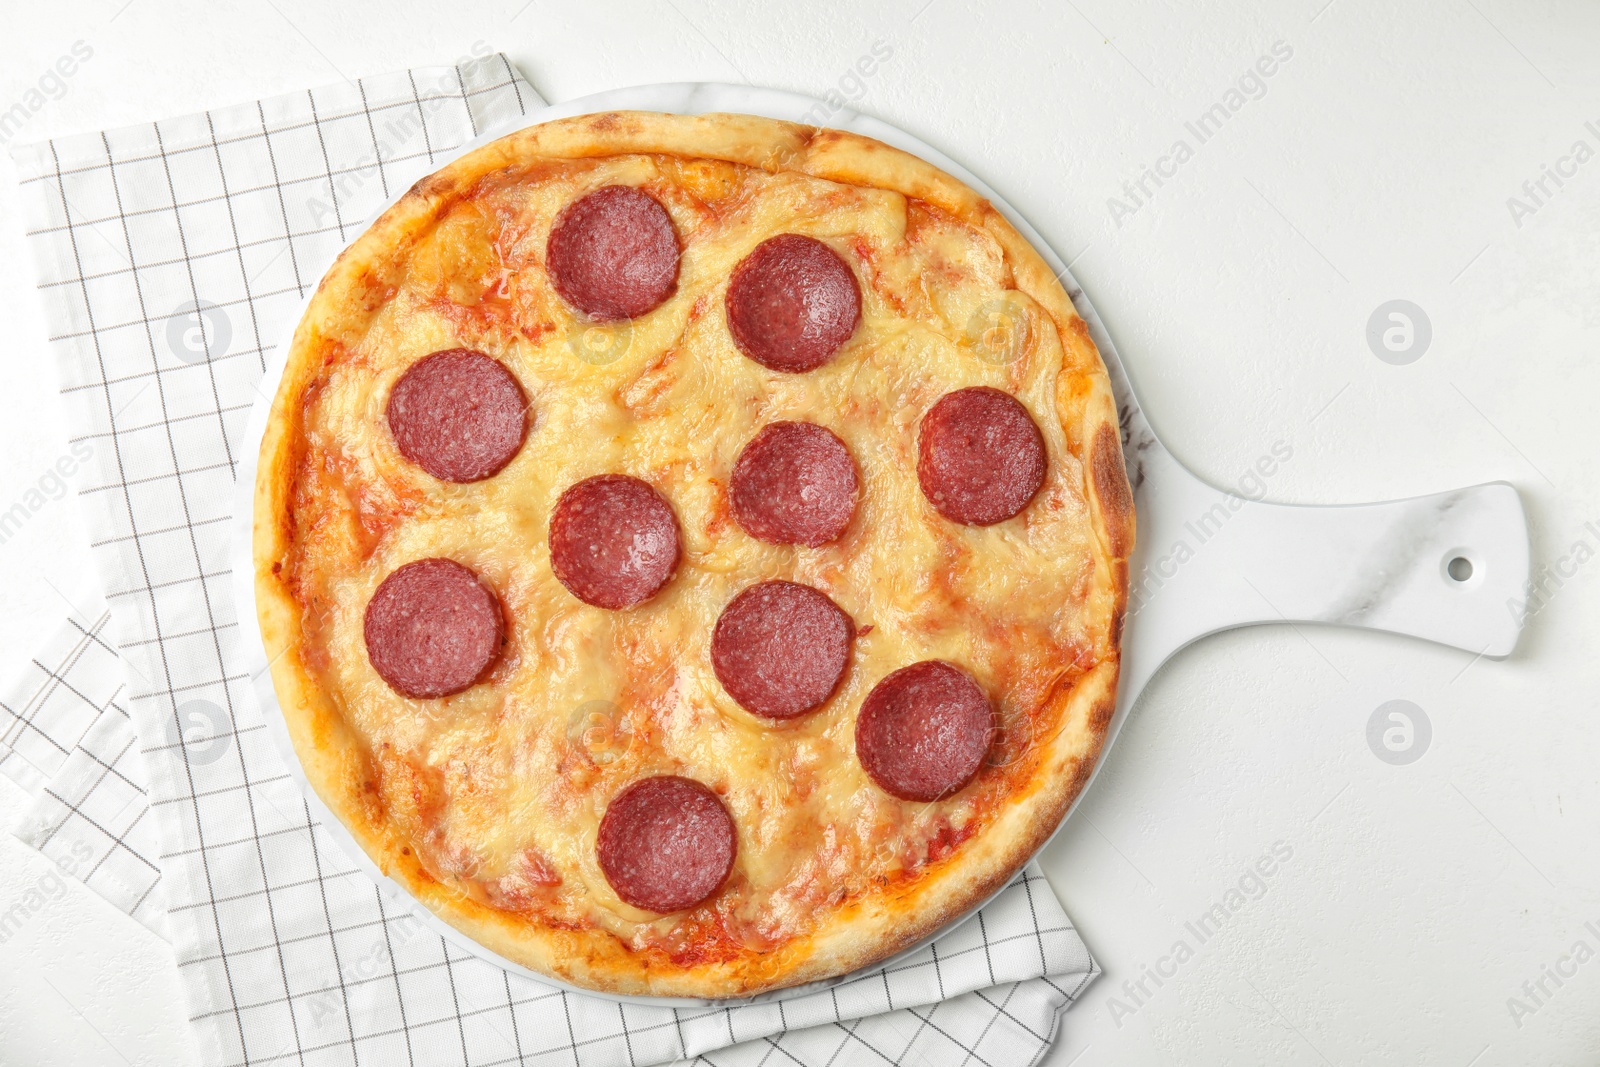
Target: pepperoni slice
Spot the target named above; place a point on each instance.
(613, 253)
(924, 730)
(792, 303)
(432, 628)
(780, 649)
(459, 415)
(980, 457)
(794, 484)
(613, 541)
(666, 844)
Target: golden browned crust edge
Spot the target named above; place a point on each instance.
(866, 932)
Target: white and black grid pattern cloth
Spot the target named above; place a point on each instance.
(171, 256)
(70, 683)
(69, 741)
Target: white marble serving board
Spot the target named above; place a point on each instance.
(1207, 559)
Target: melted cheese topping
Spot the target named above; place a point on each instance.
(500, 789)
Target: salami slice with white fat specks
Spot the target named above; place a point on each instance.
(613, 253)
(792, 303)
(613, 541)
(795, 483)
(432, 628)
(459, 415)
(666, 844)
(781, 648)
(980, 456)
(924, 730)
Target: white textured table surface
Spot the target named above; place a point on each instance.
(1419, 913)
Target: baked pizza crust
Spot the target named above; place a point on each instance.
(861, 931)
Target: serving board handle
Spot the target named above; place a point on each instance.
(1449, 568)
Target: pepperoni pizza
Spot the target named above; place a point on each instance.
(692, 550)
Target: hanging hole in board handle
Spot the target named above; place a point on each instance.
(1458, 567)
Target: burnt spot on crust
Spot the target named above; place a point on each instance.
(1099, 719)
(433, 187)
(822, 139)
(606, 122)
(1111, 488)
(1111, 645)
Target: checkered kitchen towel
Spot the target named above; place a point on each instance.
(65, 736)
(92, 816)
(171, 256)
(44, 714)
